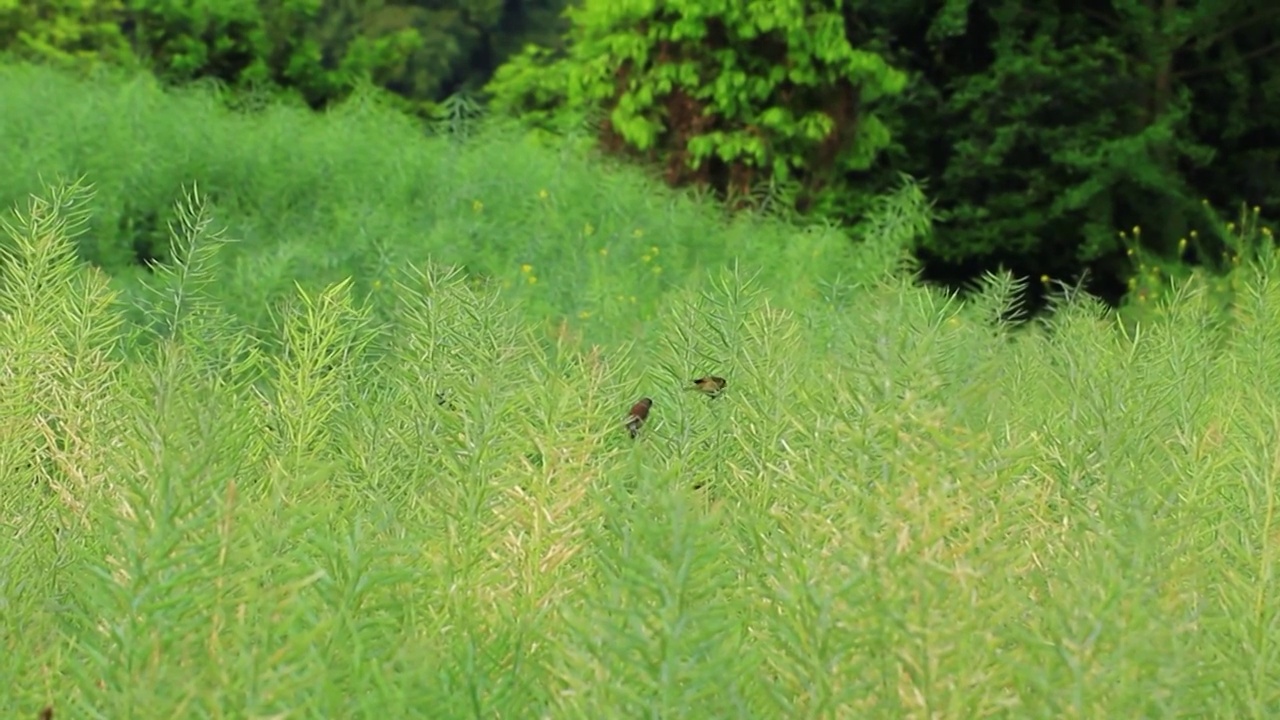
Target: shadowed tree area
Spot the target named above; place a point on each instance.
(313, 50)
(1041, 131)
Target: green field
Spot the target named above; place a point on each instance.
(359, 450)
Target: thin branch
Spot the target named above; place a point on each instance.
(1223, 65)
(1105, 19)
(1209, 40)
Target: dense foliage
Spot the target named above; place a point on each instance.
(315, 50)
(1041, 129)
(301, 469)
(728, 95)
(414, 502)
(358, 190)
(1048, 129)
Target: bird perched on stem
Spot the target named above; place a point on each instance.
(710, 385)
(639, 413)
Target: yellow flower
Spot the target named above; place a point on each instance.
(526, 268)
(646, 257)
(543, 194)
(604, 252)
(653, 250)
(377, 284)
(533, 279)
(477, 206)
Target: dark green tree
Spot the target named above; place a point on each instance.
(316, 49)
(1046, 128)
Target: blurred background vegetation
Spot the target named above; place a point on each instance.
(315, 51)
(1098, 140)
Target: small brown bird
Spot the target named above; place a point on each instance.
(639, 412)
(710, 385)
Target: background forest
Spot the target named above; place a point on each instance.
(1111, 137)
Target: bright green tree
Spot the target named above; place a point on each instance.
(77, 34)
(730, 95)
